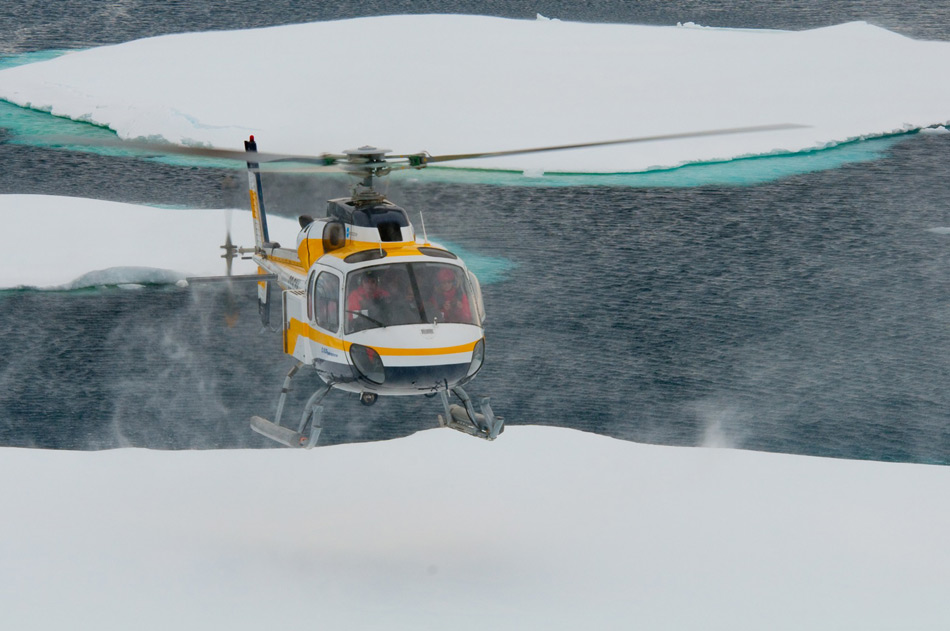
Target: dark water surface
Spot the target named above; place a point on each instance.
(804, 315)
(32, 25)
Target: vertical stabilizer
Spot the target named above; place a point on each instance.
(261, 238)
(257, 196)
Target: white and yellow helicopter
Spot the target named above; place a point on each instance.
(373, 307)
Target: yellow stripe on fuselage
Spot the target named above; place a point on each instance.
(296, 266)
(427, 352)
(256, 213)
(400, 248)
(297, 329)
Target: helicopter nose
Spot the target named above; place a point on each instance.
(423, 377)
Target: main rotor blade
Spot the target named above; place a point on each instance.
(162, 148)
(624, 141)
(291, 167)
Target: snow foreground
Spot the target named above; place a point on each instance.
(449, 84)
(88, 242)
(544, 528)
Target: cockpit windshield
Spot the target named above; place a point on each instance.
(408, 293)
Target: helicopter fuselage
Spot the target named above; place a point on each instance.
(372, 308)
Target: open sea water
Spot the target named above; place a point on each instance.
(804, 311)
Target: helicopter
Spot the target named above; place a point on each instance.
(371, 307)
(374, 308)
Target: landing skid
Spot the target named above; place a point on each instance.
(462, 418)
(465, 419)
(309, 428)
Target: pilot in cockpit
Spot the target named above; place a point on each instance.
(368, 300)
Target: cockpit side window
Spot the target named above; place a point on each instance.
(327, 302)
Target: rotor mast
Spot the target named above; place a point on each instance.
(367, 162)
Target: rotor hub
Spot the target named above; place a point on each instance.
(366, 155)
(366, 162)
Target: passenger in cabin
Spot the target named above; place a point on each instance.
(449, 303)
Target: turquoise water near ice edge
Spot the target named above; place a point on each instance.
(29, 58)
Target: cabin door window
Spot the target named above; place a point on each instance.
(326, 302)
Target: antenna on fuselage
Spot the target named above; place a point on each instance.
(422, 221)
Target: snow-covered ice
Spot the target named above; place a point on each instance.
(87, 242)
(451, 83)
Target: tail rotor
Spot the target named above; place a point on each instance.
(230, 253)
(230, 250)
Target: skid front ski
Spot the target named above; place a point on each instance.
(285, 435)
(465, 419)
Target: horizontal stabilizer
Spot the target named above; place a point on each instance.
(238, 278)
